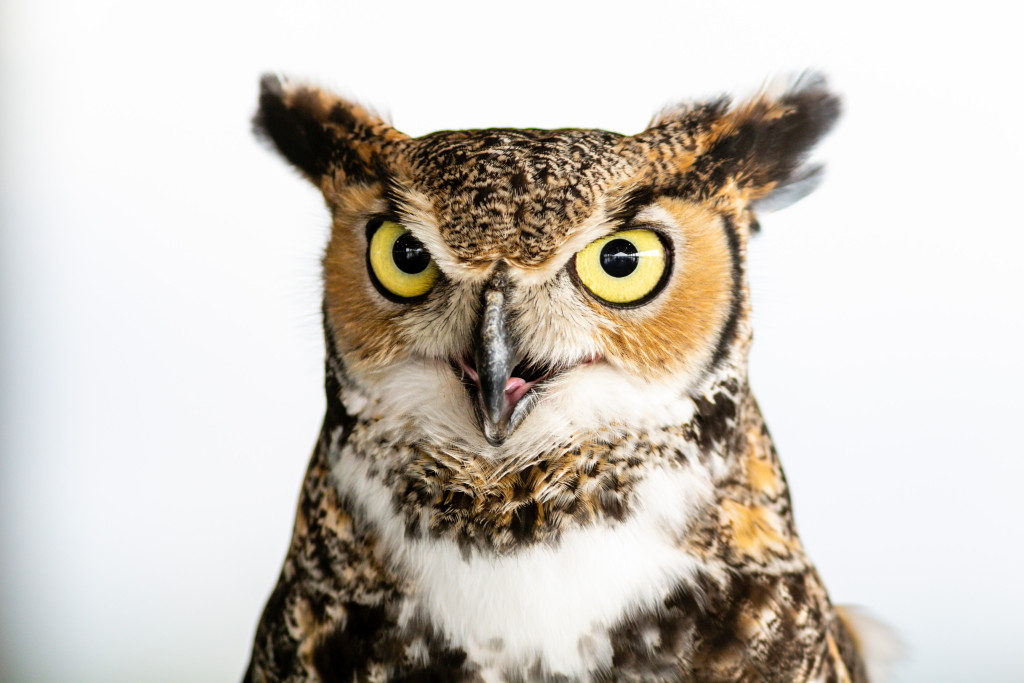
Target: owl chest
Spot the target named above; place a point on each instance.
(553, 605)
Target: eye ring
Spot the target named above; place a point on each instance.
(400, 267)
(624, 269)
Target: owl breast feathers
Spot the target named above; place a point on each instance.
(541, 460)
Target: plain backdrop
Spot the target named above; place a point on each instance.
(161, 349)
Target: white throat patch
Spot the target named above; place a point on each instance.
(547, 603)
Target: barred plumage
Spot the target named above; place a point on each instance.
(532, 470)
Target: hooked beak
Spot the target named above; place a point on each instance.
(493, 355)
(497, 372)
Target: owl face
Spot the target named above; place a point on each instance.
(495, 288)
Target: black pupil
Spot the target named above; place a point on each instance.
(410, 255)
(619, 258)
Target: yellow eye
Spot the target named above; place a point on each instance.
(624, 268)
(399, 262)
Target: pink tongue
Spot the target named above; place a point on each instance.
(515, 389)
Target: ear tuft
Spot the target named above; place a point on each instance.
(291, 129)
(755, 150)
(318, 132)
(784, 131)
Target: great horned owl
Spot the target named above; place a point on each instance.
(541, 459)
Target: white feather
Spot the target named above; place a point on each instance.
(425, 397)
(551, 603)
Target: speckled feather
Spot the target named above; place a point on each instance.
(636, 526)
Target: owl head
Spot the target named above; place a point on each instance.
(496, 290)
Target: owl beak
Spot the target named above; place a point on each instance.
(494, 356)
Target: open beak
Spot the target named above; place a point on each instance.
(494, 358)
(497, 373)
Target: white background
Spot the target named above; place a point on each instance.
(161, 350)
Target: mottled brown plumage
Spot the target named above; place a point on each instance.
(518, 479)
